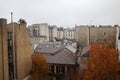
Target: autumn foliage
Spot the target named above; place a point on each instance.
(39, 67)
(102, 63)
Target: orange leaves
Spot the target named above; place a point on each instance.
(102, 63)
(39, 67)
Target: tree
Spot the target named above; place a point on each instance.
(102, 63)
(39, 67)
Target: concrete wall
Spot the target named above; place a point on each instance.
(23, 50)
(44, 30)
(52, 32)
(82, 35)
(102, 34)
(86, 34)
(38, 40)
(60, 35)
(3, 50)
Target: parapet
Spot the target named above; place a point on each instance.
(2, 20)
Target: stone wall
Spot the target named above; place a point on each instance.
(3, 50)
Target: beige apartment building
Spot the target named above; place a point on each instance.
(85, 35)
(60, 33)
(82, 34)
(52, 32)
(39, 30)
(15, 59)
(38, 40)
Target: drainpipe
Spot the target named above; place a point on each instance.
(14, 55)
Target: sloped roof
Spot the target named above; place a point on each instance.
(56, 55)
(71, 48)
(85, 50)
(49, 47)
(61, 57)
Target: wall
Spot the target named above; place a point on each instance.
(87, 34)
(102, 34)
(23, 50)
(3, 50)
(82, 35)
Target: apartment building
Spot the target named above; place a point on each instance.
(61, 60)
(82, 34)
(52, 32)
(39, 30)
(60, 33)
(15, 51)
(85, 35)
(69, 33)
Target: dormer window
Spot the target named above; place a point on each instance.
(47, 46)
(57, 46)
(104, 33)
(39, 46)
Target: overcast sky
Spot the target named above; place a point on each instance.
(65, 13)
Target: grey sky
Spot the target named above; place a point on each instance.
(64, 13)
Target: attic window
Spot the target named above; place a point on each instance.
(47, 46)
(104, 33)
(39, 46)
(57, 46)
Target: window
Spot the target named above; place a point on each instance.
(10, 56)
(11, 71)
(60, 69)
(9, 35)
(51, 68)
(47, 46)
(104, 33)
(9, 42)
(10, 50)
(57, 46)
(119, 36)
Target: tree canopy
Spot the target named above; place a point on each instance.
(102, 63)
(39, 67)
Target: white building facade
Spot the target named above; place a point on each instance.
(69, 33)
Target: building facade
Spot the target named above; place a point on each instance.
(118, 41)
(60, 33)
(81, 34)
(15, 51)
(4, 73)
(61, 61)
(39, 30)
(69, 33)
(52, 32)
(39, 33)
(85, 35)
(38, 40)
